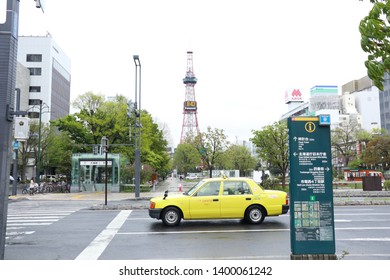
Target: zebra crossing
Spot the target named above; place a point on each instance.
(26, 220)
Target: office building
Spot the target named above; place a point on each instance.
(50, 76)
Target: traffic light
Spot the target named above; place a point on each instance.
(131, 107)
(95, 149)
(104, 145)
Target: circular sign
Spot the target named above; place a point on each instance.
(310, 127)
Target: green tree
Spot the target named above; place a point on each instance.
(153, 145)
(238, 157)
(378, 151)
(97, 118)
(29, 149)
(186, 158)
(344, 139)
(211, 145)
(375, 34)
(60, 152)
(272, 144)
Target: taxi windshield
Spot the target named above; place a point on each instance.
(194, 188)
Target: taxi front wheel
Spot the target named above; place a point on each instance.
(255, 214)
(171, 216)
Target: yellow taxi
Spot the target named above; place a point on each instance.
(220, 198)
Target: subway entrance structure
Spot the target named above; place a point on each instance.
(312, 231)
(89, 172)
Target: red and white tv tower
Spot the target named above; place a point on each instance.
(190, 126)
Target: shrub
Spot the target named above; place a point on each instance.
(387, 185)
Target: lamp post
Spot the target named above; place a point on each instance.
(38, 171)
(137, 133)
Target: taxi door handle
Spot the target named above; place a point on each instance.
(215, 199)
(248, 198)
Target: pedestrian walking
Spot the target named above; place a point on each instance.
(350, 177)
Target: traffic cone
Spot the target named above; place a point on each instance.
(180, 187)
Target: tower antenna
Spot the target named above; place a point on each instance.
(190, 127)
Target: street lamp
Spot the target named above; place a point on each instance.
(38, 171)
(137, 138)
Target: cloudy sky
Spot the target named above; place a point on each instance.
(247, 53)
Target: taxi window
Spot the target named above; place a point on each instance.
(236, 188)
(211, 188)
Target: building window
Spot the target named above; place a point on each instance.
(35, 71)
(34, 58)
(35, 89)
(33, 115)
(33, 102)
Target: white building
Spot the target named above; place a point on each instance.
(366, 97)
(50, 76)
(359, 102)
(323, 100)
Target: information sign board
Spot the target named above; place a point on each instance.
(311, 194)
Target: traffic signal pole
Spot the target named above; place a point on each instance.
(8, 55)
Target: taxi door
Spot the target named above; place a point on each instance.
(235, 198)
(205, 203)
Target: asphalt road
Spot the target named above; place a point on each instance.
(69, 230)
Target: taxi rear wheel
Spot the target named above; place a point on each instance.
(255, 214)
(171, 216)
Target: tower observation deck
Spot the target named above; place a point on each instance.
(190, 127)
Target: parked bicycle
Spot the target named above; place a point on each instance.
(46, 187)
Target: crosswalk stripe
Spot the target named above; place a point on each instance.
(20, 232)
(32, 220)
(20, 221)
(12, 219)
(32, 224)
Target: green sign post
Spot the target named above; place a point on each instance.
(311, 196)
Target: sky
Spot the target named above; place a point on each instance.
(246, 53)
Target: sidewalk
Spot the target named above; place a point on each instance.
(114, 200)
(129, 201)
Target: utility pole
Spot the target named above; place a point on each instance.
(104, 149)
(8, 54)
(137, 138)
(9, 24)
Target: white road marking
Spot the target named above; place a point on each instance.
(15, 233)
(18, 220)
(100, 243)
(363, 228)
(41, 212)
(365, 239)
(32, 217)
(362, 214)
(235, 231)
(30, 224)
(201, 231)
(31, 221)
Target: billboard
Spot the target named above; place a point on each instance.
(293, 95)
